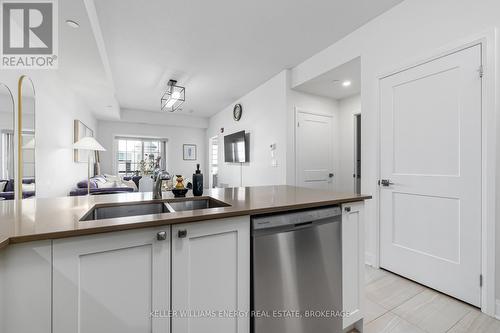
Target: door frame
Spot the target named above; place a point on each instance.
(487, 40)
(355, 115)
(210, 175)
(295, 138)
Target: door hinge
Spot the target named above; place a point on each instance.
(481, 71)
(480, 280)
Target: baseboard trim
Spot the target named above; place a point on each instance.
(497, 309)
(369, 259)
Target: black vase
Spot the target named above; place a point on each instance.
(197, 182)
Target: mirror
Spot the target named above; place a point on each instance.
(26, 138)
(6, 143)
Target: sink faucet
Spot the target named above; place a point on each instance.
(160, 176)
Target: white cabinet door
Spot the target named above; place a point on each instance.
(352, 261)
(211, 272)
(112, 282)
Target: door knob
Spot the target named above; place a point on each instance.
(161, 236)
(386, 182)
(182, 233)
(331, 175)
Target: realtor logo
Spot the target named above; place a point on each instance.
(29, 34)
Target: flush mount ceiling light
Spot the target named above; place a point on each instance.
(72, 24)
(346, 83)
(173, 98)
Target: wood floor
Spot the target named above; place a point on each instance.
(396, 305)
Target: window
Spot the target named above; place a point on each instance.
(131, 151)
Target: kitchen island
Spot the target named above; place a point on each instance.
(71, 268)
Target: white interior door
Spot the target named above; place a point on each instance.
(430, 217)
(314, 153)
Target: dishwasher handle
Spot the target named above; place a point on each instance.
(303, 224)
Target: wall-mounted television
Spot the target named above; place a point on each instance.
(235, 148)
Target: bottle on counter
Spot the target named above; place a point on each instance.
(197, 182)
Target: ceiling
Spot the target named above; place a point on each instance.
(330, 85)
(80, 64)
(219, 50)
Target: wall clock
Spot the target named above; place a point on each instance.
(237, 111)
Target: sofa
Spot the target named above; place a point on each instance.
(105, 184)
(8, 191)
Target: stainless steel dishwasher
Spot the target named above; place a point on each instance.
(297, 272)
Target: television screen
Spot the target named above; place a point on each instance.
(235, 148)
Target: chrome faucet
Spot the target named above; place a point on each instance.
(159, 177)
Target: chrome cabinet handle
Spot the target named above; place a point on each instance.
(182, 233)
(161, 236)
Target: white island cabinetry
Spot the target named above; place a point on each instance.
(129, 281)
(25, 287)
(353, 263)
(121, 281)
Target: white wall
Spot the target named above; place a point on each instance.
(264, 117)
(56, 108)
(177, 136)
(348, 107)
(269, 117)
(413, 30)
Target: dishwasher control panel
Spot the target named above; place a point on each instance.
(293, 218)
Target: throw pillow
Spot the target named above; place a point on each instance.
(107, 185)
(117, 179)
(84, 183)
(28, 187)
(131, 184)
(99, 179)
(112, 178)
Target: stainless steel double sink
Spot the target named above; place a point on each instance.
(111, 211)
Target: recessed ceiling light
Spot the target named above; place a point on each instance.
(346, 83)
(72, 24)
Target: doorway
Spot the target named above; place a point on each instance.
(213, 145)
(336, 93)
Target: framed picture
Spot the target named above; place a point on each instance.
(80, 130)
(189, 152)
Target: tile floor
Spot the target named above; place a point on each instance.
(396, 305)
